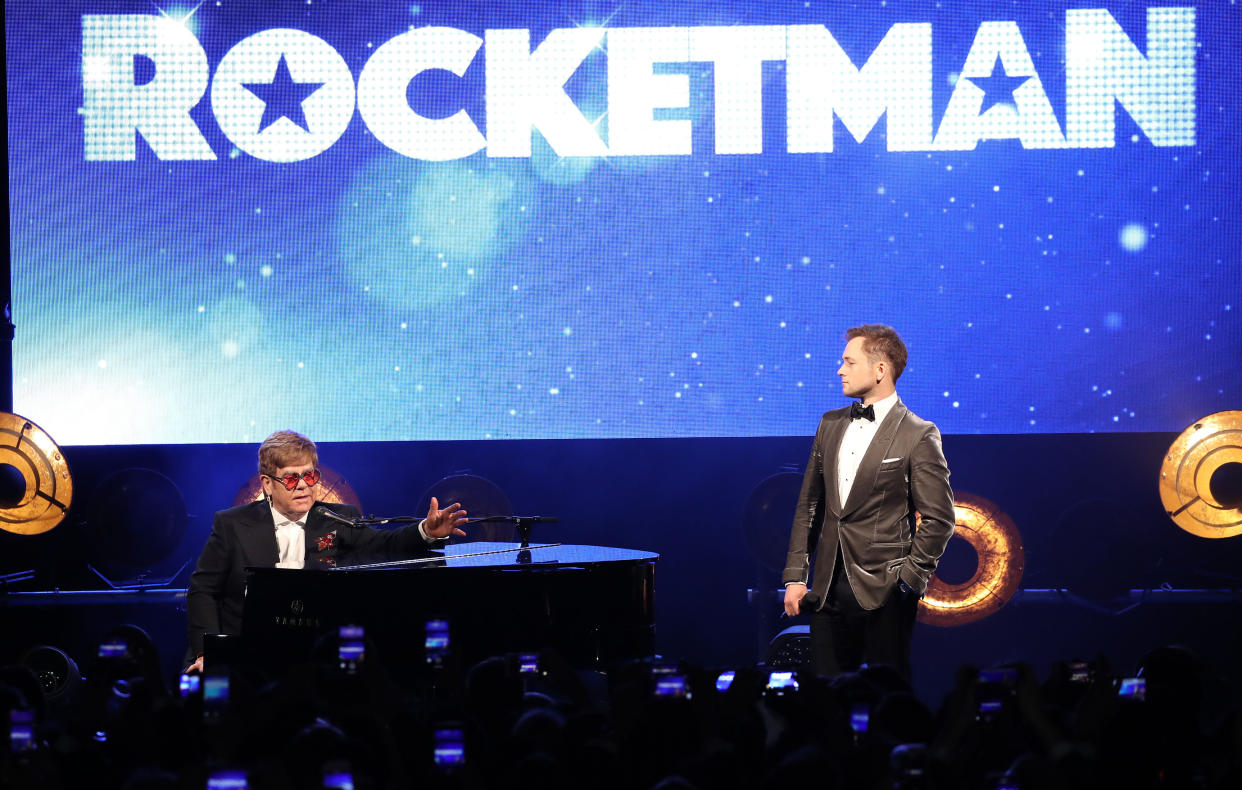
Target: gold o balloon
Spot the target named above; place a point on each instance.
(998, 544)
(1186, 476)
(49, 486)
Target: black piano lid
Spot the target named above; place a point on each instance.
(498, 600)
(503, 555)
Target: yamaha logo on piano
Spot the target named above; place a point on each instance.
(296, 608)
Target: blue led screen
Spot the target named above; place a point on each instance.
(447, 220)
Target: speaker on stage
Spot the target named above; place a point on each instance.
(56, 672)
(790, 649)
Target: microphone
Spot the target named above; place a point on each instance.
(332, 515)
(808, 604)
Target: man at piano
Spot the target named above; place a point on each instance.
(289, 528)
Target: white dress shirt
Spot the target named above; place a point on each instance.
(854, 443)
(290, 541)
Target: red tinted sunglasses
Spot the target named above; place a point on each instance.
(291, 480)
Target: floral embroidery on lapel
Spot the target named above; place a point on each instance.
(329, 561)
(326, 542)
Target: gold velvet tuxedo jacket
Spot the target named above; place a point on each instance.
(903, 471)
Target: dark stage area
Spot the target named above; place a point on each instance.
(1107, 573)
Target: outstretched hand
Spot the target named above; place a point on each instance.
(446, 522)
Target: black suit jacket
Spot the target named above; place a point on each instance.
(245, 536)
(903, 471)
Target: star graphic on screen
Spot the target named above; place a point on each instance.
(997, 88)
(282, 96)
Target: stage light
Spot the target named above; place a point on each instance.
(768, 515)
(135, 518)
(56, 672)
(1201, 477)
(1100, 554)
(481, 498)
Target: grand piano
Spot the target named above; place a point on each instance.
(594, 605)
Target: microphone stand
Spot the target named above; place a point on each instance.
(523, 524)
(358, 523)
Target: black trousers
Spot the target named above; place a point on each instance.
(845, 636)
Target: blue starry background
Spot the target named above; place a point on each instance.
(361, 295)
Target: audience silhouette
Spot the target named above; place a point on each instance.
(510, 722)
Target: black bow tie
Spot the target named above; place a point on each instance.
(859, 411)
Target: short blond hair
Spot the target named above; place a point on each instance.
(881, 341)
(286, 448)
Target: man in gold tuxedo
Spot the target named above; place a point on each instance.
(873, 465)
